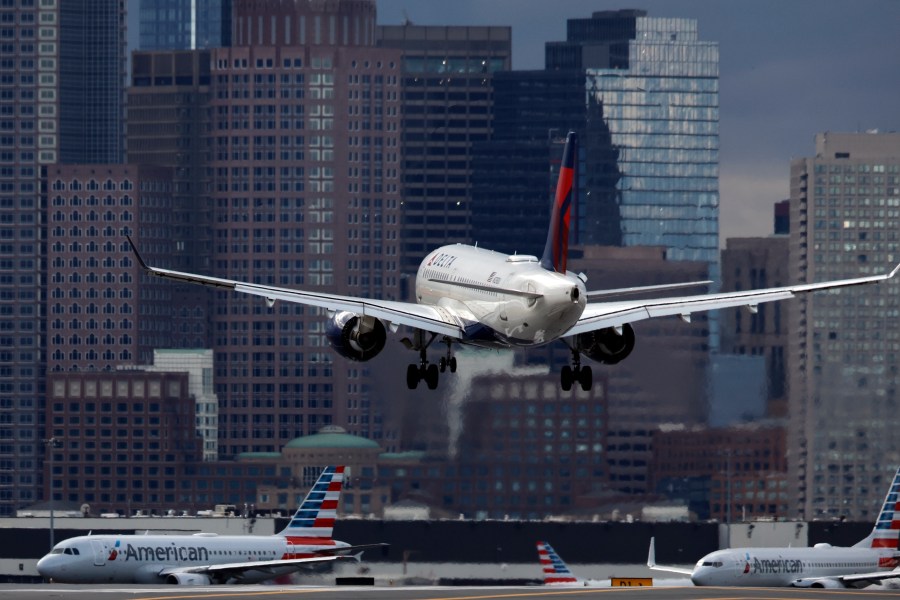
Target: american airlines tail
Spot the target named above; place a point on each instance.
(886, 532)
(314, 520)
(556, 249)
(555, 570)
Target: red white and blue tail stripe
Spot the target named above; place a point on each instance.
(316, 515)
(556, 250)
(887, 528)
(555, 570)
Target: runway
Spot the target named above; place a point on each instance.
(271, 592)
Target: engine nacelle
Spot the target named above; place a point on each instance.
(188, 579)
(823, 583)
(605, 345)
(356, 337)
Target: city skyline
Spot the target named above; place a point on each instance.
(787, 72)
(769, 114)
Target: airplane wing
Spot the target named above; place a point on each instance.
(651, 562)
(253, 565)
(857, 580)
(430, 318)
(601, 315)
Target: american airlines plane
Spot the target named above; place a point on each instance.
(871, 560)
(206, 559)
(471, 296)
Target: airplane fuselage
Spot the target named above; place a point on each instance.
(778, 567)
(141, 558)
(478, 285)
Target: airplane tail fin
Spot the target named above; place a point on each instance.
(555, 570)
(886, 532)
(316, 515)
(556, 249)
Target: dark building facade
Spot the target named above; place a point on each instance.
(751, 263)
(447, 102)
(62, 69)
(728, 474)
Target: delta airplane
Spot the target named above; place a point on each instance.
(871, 560)
(556, 571)
(471, 296)
(204, 558)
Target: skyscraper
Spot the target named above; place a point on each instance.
(184, 24)
(843, 357)
(649, 132)
(305, 171)
(62, 69)
(447, 89)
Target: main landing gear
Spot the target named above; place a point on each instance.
(425, 371)
(584, 376)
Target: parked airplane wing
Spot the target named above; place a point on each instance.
(600, 315)
(651, 562)
(430, 318)
(253, 565)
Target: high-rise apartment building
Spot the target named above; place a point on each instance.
(62, 69)
(447, 95)
(184, 24)
(843, 356)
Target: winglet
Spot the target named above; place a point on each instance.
(651, 555)
(556, 249)
(894, 272)
(137, 255)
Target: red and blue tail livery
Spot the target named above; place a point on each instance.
(555, 570)
(556, 250)
(316, 515)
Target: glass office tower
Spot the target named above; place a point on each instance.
(184, 24)
(660, 102)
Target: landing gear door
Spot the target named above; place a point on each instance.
(99, 553)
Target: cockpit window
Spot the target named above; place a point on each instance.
(76, 552)
(711, 563)
(68, 551)
(56, 551)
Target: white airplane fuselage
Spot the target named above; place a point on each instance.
(141, 558)
(777, 567)
(459, 279)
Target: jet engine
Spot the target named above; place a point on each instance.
(187, 579)
(606, 345)
(355, 336)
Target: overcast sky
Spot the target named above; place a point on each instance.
(788, 69)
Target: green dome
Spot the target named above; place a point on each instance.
(332, 437)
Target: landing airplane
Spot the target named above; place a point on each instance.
(871, 560)
(471, 296)
(206, 559)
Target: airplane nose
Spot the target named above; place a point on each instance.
(45, 567)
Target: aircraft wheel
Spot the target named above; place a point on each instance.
(443, 364)
(412, 377)
(566, 378)
(431, 376)
(586, 378)
(453, 364)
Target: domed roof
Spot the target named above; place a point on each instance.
(332, 436)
